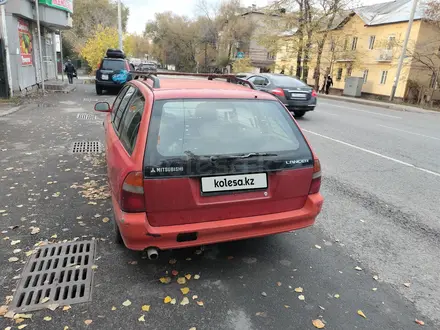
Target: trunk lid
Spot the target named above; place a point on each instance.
(209, 160)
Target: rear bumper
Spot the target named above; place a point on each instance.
(138, 234)
(108, 84)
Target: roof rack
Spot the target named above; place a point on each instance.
(156, 81)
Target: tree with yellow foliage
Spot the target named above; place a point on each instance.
(242, 65)
(96, 46)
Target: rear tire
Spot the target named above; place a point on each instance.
(117, 237)
(98, 90)
(299, 114)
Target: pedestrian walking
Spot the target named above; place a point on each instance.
(328, 83)
(70, 71)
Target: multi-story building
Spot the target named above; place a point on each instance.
(21, 34)
(262, 59)
(368, 44)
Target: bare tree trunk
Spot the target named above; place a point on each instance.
(308, 24)
(300, 33)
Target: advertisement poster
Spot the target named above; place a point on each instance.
(25, 38)
(66, 5)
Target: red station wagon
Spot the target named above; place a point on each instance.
(194, 162)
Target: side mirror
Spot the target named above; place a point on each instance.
(103, 107)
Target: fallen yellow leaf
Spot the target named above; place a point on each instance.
(47, 318)
(299, 290)
(54, 236)
(22, 326)
(361, 314)
(22, 316)
(286, 306)
(200, 303)
(172, 261)
(126, 303)
(44, 300)
(184, 290)
(193, 328)
(13, 259)
(165, 280)
(105, 220)
(318, 324)
(66, 328)
(18, 321)
(94, 267)
(66, 308)
(336, 296)
(146, 308)
(181, 280)
(420, 322)
(3, 310)
(279, 283)
(142, 318)
(301, 297)
(114, 308)
(88, 322)
(195, 297)
(173, 301)
(196, 277)
(167, 300)
(185, 301)
(188, 276)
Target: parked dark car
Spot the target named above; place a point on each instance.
(150, 67)
(110, 65)
(293, 93)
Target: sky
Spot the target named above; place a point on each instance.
(141, 11)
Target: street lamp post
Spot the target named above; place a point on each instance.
(120, 25)
(402, 55)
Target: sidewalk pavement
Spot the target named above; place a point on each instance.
(392, 106)
(8, 108)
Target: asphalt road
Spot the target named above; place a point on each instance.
(380, 183)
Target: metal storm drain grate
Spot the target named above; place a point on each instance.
(59, 274)
(85, 116)
(85, 147)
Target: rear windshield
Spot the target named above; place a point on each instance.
(113, 65)
(185, 135)
(148, 67)
(286, 81)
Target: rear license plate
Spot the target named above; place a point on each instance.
(298, 96)
(104, 77)
(234, 182)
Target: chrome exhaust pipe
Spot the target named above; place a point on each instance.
(152, 253)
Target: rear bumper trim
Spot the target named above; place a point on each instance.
(138, 234)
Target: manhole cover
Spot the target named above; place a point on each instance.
(85, 116)
(61, 272)
(86, 147)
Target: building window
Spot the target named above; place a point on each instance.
(339, 74)
(354, 43)
(433, 82)
(270, 56)
(391, 42)
(332, 45)
(365, 76)
(372, 40)
(345, 43)
(349, 71)
(383, 78)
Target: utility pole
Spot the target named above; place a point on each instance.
(120, 25)
(402, 55)
(40, 48)
(8, 56)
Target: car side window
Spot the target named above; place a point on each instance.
(118, 101)
(121, 109)
(259, 81)
(131, 121)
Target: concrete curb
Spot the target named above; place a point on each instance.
(396, 107)
(12, 110)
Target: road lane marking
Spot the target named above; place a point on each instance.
(372, 112)
(401, 130)
(374, 153)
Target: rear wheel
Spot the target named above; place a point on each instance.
(117, 237)
(299, 114)
(98, 90)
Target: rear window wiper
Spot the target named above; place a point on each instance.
(244, 156)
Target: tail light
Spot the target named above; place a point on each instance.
(132, 194)
(313, 93)
(316, 178)
(277, 91)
